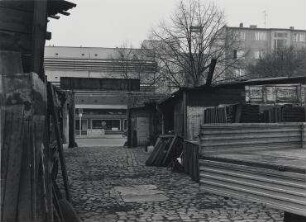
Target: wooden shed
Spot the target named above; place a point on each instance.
(183, 111)
(145, 124)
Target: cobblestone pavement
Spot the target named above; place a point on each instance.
(95, 172)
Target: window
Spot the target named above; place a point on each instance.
(242, 35)
(260, 36)
(113, 125)
(239, 73)
(238, 54)
(299, 37)
(280, 43)
(56, 54)
(258, 54)
(235, 54)
(281, 35)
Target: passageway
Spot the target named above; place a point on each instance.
(113, 184)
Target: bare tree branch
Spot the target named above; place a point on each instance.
(185, 46)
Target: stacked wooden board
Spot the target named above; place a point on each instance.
(286, 113)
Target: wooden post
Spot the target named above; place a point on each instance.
(39, 36)
(71, 110)
(185, 114)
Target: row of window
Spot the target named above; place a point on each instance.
(262, 36)
(106, 124)
(240, 54)
(56, 54)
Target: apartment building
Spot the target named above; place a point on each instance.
(254, 42)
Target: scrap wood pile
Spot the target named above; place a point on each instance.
(166, 151)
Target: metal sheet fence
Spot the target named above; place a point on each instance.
(225, 171)
(250, 136)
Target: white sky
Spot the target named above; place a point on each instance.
(110, 23)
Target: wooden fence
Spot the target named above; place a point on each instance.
(32, 150)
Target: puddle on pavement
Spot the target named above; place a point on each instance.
(140, 193)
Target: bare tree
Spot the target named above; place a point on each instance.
(282, 62)
(134, 63)
(125, 59)
(185, 46)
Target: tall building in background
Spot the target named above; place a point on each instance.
(255, 42)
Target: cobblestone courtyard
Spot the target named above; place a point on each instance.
(95, 174)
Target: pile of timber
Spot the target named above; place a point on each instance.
(248, 113)
(167, 149)
(236, 113)
(285, 113)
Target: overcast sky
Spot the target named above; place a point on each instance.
(110, 23)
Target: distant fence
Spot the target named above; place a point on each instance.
(191, 159)
(251, 136)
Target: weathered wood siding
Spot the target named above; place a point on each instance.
(24, 107)
(178, 126)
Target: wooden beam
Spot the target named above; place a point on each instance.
(39, 36)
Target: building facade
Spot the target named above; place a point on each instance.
(105, 82)
(98, 62)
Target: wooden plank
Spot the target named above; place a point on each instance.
(58, 140)
(11, 161)
(25, 199)
(167, 157)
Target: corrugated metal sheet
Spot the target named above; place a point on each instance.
(249, 136)
(281, 190)
(233, 163)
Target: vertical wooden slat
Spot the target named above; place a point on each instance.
(11, 161)
(25, 199)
